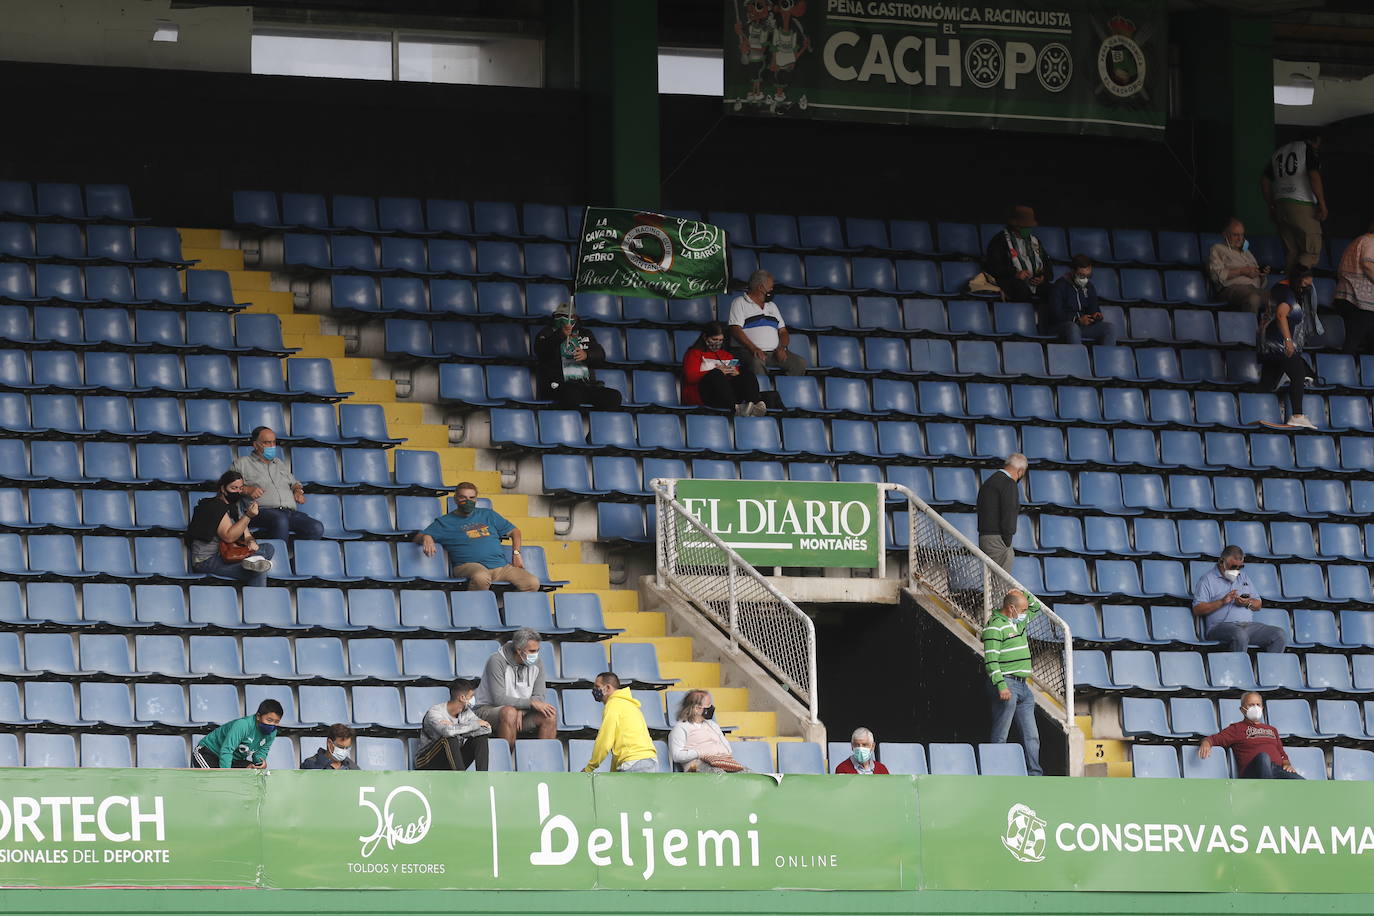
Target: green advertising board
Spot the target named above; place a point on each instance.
(636, 253)
(1082, 66)
(789, 523)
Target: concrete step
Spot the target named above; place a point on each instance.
(511, 505)
(1085, 725)
(532, 529)
(396, 413)
(430, 437)
(253, 281)
(1105, 750)
(270, 302)
(455, 460)
(668, 648)
(1121, 769)
(301, 324)
(315, 345)
(636, 623)
(748, 724)
(582, 576)
(214, 258)
(373, 389)
(561, 552)
(351, 367)
(617, 600)
(734, 700)
(201, 238)
(691, 674)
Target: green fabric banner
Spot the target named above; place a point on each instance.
(789, 523)
(1079, 66)
(634, 253)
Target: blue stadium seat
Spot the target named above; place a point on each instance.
(1145, 717)
(1156, 761)
(952, 759)
(1001, 760)
(800, 757)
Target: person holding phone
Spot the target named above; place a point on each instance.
(218, 534)
(1226, 599)
(1073, 310)
(711, 375)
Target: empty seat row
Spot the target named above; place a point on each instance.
(1162, 762)
(419, 612)
(405, 216)
(1144, 672)
(416, 257)
(74, 243)
(194, 374)
(43, 326)
(1161, 625)
(1193, 718)
(163, 559)
(143, 287)
(63, 201)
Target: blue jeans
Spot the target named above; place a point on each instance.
(1071, 332)
(216, 566)
(1262, 767)
(273, 524)
(1238, 637)
(1020, 707)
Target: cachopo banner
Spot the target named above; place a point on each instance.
(637, 253)
(1082, 66)
(789, 523)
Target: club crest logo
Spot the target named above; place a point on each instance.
(1120, 61)
(1025, 837)
(646, 246)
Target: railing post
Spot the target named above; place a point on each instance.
(731, 585)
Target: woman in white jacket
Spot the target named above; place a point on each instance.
(696, 743)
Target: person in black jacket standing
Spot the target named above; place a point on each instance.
(998, 504)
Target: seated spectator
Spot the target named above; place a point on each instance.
(240, 743)
(267, 479)
(1226, 599)
(760, 335)
(1234, 272)
(565, 354)
(1257, 746)
(511, 691)
(338, 741)
(472, 537)
(219, 538)
(860, 761)
(1073, 310)
(696, 743)
(623, 733)
(1355, 293)
(711, 375)
(1283, 328)
(452, 735)
(1017, 261)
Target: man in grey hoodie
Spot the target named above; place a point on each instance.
(511, 695)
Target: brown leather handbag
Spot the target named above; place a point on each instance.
(234, 551)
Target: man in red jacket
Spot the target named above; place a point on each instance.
(1259, 752)
(860, 761)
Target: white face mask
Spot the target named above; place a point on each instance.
(1231, 574)
(1254, 713)
(339, 753)
(1081, 282)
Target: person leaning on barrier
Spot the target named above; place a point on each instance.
(511, 695)
(452, 735)
(240, 743)
(623, 733)
(999, 503)
(338, 742)
(861, 760)
(1256, 744)
(696, 743)
(1007, 656)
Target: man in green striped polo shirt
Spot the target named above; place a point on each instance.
(1009, 667)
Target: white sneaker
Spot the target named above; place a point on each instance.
(1301, 421)
(758, 409)
(257, 564)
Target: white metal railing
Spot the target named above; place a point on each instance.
(948, 566)
(757, 618)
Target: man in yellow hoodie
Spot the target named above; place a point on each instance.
(623, 733)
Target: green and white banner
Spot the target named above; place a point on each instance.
(637, 253)
(1078, 66)
(789, 523)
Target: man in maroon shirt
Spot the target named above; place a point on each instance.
(1259, 752)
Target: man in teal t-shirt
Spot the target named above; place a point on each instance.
(472, 538)
(240, 743)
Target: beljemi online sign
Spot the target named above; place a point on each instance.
(417, 830)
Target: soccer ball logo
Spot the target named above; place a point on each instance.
(1025, 836)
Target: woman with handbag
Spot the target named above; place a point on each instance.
(220, 542)
(696, 743)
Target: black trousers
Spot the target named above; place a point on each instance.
(574, 394)
(1359, 328)
(454, 754)
(1296, 368)
(725, 391)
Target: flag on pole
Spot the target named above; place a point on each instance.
(636, 253)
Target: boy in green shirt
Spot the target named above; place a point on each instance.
(240, 743)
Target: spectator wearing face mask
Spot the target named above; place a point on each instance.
(1226, 599)
(240, 743)
(1016, 260)
(760, 335)
(338, 742)
(1073, 310)
(1006, 653)
(696, 743)
(267, 478)
(471, 536)
(711, 375)
(511, 694)
(1233, 270)
(1256, 744)
(451, 733)
(861, 761)
(566, 355)
(623, 733)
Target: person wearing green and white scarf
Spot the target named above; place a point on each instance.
(1016, 259)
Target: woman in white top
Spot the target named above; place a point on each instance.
(696, 743)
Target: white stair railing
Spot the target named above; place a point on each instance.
(757, 618)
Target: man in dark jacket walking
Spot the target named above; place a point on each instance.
(998, 505)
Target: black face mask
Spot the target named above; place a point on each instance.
(708, 713)
(598, 694)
